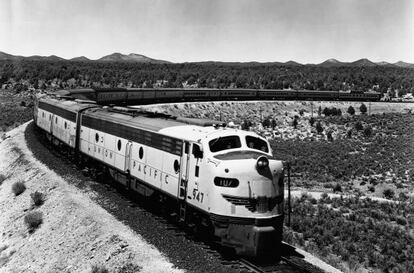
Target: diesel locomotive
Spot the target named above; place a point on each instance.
(221, 180)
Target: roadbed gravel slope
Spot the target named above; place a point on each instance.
(76, 233)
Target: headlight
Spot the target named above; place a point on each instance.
(262, 162)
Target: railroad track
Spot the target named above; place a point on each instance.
(286, 264)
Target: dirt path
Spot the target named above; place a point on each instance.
(76, 233)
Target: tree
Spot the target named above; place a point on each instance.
(351, 110)
(295, 122)
(363, 108)
(358, 126)
(266, 123)
(327, 111)
(311, 121)
(274, 124)
(388, 193)
(246, 124)
(368, 131)
(319, 127)
(329, 136)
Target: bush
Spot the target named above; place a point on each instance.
(388, 193)
(33, 220)
(319, 127)
(349, 133)
(363, 108)
(295, 122)
(358, 126)
(337, 188)
(2, 178)
(99, 269)
(38, 198)
(329, 136)
(401, 220)
(311, 121)
(351, 110)
(301, 112)
(368, 131)
(18, 188)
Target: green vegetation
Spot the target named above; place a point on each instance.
(18, 188)
(37, 198)
(389, 152)
(33, 220)
(361, 232)
(70, 74)
(99, 269)
(2, 178)
(351, 110)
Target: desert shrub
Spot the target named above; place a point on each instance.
(388, 193)
(358, 126)
(130, 268)
(337, 188)
(38, 198)
(351, 110)
(311, 121)
(368, 131)
(319, 127)
(319, 111)
(371, 188)
(363, 108)
(18, 188)
(329, 136)
(301, 112)
(401, 220)
(295, 123)
(246, 125)
(2, 178)
(266, 123)
(23, 103)
(33, 220)
(99, 269)
(349, 133)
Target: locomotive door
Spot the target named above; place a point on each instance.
(128, 150)
(184, 170)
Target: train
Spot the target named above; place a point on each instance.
(131, 96)
(223, 181)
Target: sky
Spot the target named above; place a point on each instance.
(307, 31)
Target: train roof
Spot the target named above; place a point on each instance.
(70, 105)
(178, 127)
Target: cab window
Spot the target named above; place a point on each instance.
(257, 144)
(224, 143)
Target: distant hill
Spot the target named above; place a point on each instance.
(115, 57)
(80, 59)
(293, 63)
(404, 64)
(5, 56)
(363, 62)
(332, 62)
(138, 58)
(132, 57)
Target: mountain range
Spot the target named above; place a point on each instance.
(137, 58)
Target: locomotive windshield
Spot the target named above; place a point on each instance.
(257, 144)
(224, 143)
